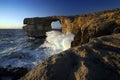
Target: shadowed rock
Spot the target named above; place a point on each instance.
(12, 73)
(97, 60)
(37, 27)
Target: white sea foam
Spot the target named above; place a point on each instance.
(21, 55)
(57, 42)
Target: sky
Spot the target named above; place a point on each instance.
(13, 12)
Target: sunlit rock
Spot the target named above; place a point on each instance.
(84, 27)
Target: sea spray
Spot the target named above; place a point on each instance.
(24, 52)
(57, 42)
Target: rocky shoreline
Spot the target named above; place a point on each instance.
(94, 54)
(97, 60)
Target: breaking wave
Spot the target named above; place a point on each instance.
(20, 51)
(57, 42)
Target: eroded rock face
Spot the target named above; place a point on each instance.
(94, 25)
(37, 27)
(84, 27)
(97, 60)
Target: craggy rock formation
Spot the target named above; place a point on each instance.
(84, 27)
(12, 73)
(94, 25)
(37, 27)
(97, 60)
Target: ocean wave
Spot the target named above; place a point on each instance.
(22, 51)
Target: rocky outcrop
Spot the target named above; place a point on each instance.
(12, 73)
(97, 60)
(35, 29)
(38, 26)
(84, 27)
(94, 25)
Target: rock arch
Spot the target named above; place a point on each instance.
(84, 27)
(36, 27)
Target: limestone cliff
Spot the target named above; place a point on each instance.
(94, 25)
(97, 60)
(84, 27)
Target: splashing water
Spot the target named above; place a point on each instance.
(20, 54)
(57, 42)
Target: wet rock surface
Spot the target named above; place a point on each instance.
(11, 73)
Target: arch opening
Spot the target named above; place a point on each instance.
(56, 25)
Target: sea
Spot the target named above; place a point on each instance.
(19, 50)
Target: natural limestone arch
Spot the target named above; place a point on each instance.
(84, 27)
(38, 26)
